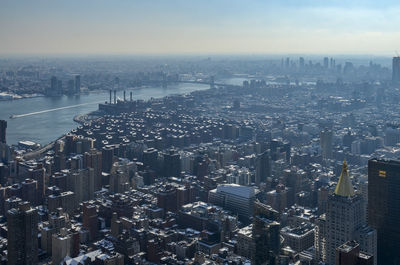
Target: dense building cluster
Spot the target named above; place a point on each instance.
(259, 173)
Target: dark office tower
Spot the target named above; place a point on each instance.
(265, 234)
(384, 208)
(349, 254)
(326, 62)
(77, 84)
(3, 129)
(396, 69)
(263, 167)
(107, 157)
(22, 224)
(172, 164)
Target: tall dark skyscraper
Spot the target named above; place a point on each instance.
(384, 208)
(263, 167)
(396, 69)
(3, 128)
(22, 224)
(265, 234)
(78, 84)
(172, 164)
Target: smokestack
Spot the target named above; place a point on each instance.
(110, 97)
(131, 96)
(115, 96)
(124, 95)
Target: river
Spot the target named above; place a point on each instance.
(44, 119)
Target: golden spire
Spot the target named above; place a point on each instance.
(344, 187)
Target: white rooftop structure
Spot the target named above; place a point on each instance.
(238, 190)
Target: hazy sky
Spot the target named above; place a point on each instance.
(199, 26)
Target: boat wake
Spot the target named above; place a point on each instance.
(50, 110)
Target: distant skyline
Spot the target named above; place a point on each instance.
(199, 27)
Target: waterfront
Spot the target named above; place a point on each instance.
(44, 119)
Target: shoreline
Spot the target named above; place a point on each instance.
(80, 119)
(86, 92)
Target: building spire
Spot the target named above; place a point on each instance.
(344, 187)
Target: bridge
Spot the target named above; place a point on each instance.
(201, 82)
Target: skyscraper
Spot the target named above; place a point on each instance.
(263, 167)
(77, 84)
(22, 224)
(3, 128)
(93, 159)
(344, 221)
(349, 254)
(326, 137)
(396, 69)
(384, 207)
(172, 164)
(326, 62)
(90, 219)
(265, 234)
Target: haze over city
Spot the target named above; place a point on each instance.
(187, 27)
(199, 132)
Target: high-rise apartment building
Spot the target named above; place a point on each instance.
(384, 207)
(22, 224)
(172, 164)
(265, 234)
(93, 159)
(344, 221)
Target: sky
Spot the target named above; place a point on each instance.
(199, 27)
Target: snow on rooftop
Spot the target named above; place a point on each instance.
(238, 190)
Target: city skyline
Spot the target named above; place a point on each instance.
(183, 27)
(199, 132)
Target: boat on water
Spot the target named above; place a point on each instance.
(13, 117)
